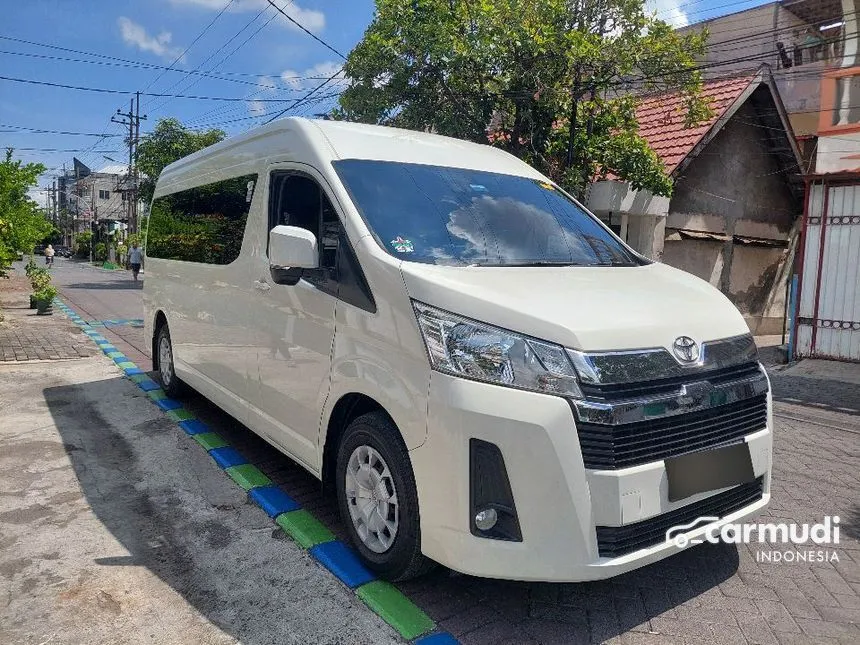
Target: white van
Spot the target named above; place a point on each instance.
(486, 375)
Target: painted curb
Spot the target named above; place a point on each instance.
(385, 600)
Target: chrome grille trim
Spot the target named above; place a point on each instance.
(688, 397)
(614, 367)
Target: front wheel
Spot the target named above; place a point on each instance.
(378, 499)
(170, 383)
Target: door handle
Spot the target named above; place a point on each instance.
(261, 285)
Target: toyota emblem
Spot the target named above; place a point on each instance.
(686, 349)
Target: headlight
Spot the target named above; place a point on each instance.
(482, 352)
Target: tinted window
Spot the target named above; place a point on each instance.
(298, 200)
(440, 215)
(203, 224)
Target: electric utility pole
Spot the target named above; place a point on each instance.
(131, 119)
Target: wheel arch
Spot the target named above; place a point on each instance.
(349, 406)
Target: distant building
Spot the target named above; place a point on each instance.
(737, 195)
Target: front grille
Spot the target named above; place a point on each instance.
(621, 446)
(618, 391)
(615, 541)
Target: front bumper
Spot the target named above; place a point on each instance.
(559, 502)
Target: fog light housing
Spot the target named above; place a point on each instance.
(486, 519)
(493, 514)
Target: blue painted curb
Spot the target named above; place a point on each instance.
(121, 359)
(227, 456)
(194, 426)
(148, 386)
(131, 371)
(273, 500)
(342, 562)
(443, 638)
(168, 404)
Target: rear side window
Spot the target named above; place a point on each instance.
(204, 224)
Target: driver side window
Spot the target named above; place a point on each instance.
(298, 200)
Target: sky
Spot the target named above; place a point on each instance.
(259, 56)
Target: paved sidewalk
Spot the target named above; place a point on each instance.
(24, 336)
(116, 527)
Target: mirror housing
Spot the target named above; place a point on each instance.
(291, 247)
(292, 254)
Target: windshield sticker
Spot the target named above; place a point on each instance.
(546, 185)
(478, 188)
(249, 195)
(402, 245)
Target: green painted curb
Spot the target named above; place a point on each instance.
(180, 414)
(137, 378)
(210, 440)
(395, 609)
(156, 395)
(125, 365)
(304, 528)
(114, 354)
(248, 476)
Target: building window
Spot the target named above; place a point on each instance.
(122, 196)
(104, 194)
(203, 224)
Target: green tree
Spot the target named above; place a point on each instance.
(547, 80)
(22, 224)
(169, 141)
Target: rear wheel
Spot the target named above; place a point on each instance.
(378, 499)
(170, 383)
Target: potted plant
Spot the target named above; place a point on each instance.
(44, 300)
(39, 279)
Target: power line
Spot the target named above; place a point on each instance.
(61, 150)
(210, 57)
(185, 51)
(29, 130)
(233, 51)
(302, 27)
(132, 63)
(110, 91)
(308, 95)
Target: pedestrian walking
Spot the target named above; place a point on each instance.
(49, 255)
(135, 257)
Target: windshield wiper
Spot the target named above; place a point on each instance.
(541, 263)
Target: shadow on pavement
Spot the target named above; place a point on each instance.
(516, 612)
(160, 495)
(125, 284)
(822, 394)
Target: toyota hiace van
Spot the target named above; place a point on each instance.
(483, 372)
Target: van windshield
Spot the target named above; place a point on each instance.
(452, 216)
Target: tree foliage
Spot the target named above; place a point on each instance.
(168, 142)
(521, 73)
(22, 223)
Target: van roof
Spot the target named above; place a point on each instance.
(332, 140)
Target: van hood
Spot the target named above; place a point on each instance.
(587, 308)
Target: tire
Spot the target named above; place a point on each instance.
(170, 383)
(391, 555)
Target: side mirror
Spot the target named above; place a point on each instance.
(291, 247)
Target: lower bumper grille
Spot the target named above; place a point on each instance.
(615, 541)
(622, 446)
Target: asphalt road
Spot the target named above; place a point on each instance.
(711, 593)
(100, 294)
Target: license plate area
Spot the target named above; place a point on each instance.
(699, 472)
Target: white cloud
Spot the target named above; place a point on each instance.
(313, 76)
(135, 35)
(670, 11)
(311, 19)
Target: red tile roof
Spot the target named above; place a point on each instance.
(661, 118)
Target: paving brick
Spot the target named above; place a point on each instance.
(828, 628)
(756, 629)
(777, 616)
(840, 614)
